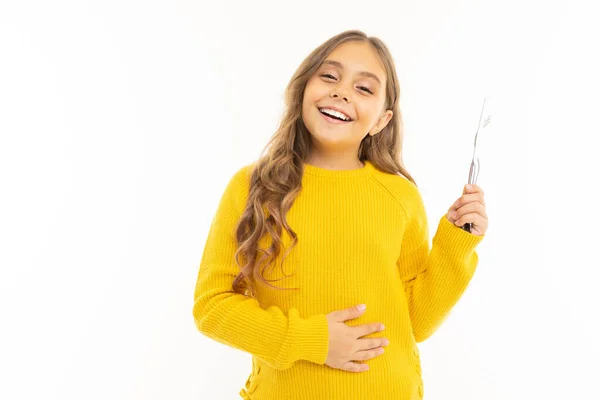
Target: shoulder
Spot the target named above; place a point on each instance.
(238, 186)
(241, 176)
(403, 191)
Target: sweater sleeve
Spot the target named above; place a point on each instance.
(434, 278)
(238, 321)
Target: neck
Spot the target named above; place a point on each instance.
(334, 160)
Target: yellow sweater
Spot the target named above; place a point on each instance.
(362, 239)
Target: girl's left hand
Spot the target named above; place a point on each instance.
(470, 208)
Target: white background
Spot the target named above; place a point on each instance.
(122, 121)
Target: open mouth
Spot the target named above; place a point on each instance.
(334, 115)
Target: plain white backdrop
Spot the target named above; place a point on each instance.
(122, 121)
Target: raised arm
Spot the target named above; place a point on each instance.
(434, 277)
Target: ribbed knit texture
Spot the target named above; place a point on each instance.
(362, 239)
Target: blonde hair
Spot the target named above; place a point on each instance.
(277, 175)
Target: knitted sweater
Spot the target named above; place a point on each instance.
(362, 239)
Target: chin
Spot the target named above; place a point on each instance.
(330, 140)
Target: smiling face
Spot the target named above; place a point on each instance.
(344, 100)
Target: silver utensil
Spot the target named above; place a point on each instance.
(474, 170)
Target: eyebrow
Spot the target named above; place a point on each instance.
(363, 73)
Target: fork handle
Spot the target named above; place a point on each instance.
(473, 172)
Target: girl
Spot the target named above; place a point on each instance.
(360, 286)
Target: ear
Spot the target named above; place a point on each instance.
(382, 122)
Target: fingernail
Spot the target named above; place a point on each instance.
(362, 307)
(469, 187)
(386, 342)
(381, 327)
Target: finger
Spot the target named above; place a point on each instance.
(473, 188)
(468, 198)
(362, 330)
(472, 218)
(372, 343)
(479, 227)
(455, 211)
(349, 313)
(452, 214)
(367, 354)
(354, 367)
(470, 208)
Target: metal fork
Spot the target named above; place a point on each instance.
(474, 170)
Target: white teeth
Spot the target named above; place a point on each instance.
(335, 114)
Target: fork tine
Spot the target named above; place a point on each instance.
(487, 121)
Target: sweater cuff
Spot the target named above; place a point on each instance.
(455, 241)
(312, 339)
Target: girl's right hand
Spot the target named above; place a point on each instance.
(345, 343)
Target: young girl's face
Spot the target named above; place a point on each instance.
(351, 81)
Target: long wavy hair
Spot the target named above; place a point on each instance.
(277, 175)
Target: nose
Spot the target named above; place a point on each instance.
(338, 92)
